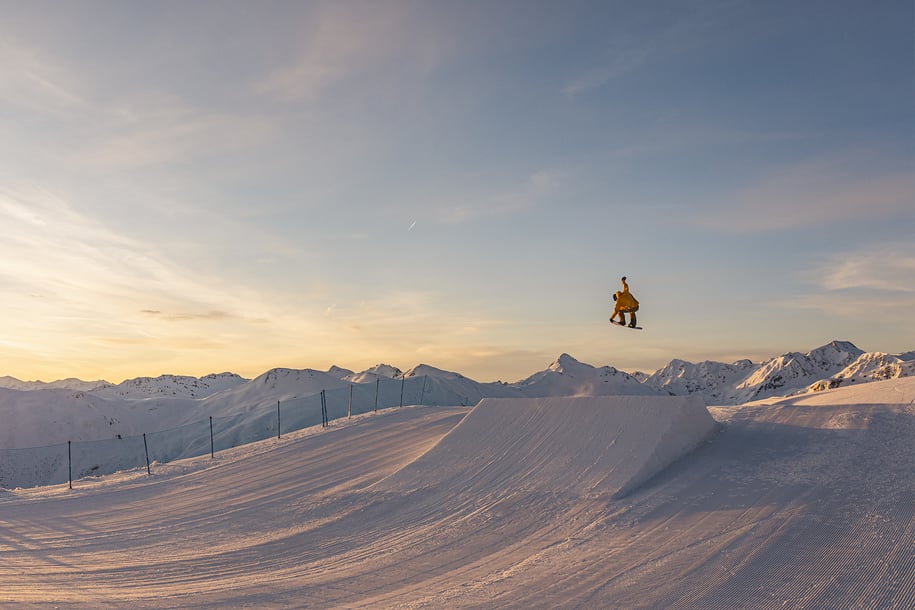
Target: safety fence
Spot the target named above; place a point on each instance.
(68, 462)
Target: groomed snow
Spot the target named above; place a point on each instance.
(804, 502)
(581, 446)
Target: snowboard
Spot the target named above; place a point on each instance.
(615, 323)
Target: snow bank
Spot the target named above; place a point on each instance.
(888, 392)
(581, 446)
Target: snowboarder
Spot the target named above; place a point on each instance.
(625, 303)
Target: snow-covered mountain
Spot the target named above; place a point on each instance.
(36, 413)
(444, 386)
(279, 384)
(379, 371)
(36, 422)
(175, 386)
(63, 384)
(569, 377)
(743, 381)
(871, 366)
(715, 381)
(794, 371)
(34, 418)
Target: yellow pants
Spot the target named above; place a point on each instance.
(622, 314)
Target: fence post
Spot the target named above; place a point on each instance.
(323, 410)
(403, 380)
(70, 464)
(277, 420)
(377, 385)
(146, 449)
(423, 393)
(212, 451)
(349, 409)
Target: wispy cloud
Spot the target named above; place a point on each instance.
(872, 280)
(860, 307)
(88, 122)
(87, 298)
(621, 62)
(32, 81)
(532, 192)
(631, 49)
(811, 194)
(341, 43)
(147, 134)
(886, 266)
(187, 316)
(81, 267)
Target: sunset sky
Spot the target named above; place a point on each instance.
(197, 187)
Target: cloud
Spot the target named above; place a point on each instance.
(811, 194)
(535, 188)
(896, 310)
(886, 267)
(83, 268)
(150, 133)
(872, 279)
(631, 47)
(184, 317)
(341, 42)
(32, 81)
(88, 121)
(621, 62)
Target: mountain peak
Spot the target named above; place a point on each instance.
(339, 372)
(564, 363)
(421, 370)
(841, 346)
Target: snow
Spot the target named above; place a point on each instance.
(177, 386)
(584, 446)
(569, 377)
(37, 416)
(379, 371)
(63, 384)
(804, 501)
(791, 373)
(872, 366)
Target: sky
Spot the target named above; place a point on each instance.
(190, 188)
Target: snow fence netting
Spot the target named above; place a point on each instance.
(59, 463)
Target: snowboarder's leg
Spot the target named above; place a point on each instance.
(622, 318)
(616, 312)
(632, 316)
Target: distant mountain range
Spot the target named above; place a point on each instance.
(36, 414)
(834, 364)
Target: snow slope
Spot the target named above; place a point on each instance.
(586, 446)
(42, 416)
(244, 411)
(46, 417)
(802, 502)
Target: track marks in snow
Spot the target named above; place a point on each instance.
(792, 505)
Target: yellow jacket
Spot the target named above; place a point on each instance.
(625, 302)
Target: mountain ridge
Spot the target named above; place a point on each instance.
(835, 363)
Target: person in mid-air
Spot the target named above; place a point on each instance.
(625, 303)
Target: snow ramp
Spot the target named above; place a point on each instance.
(578, 446)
